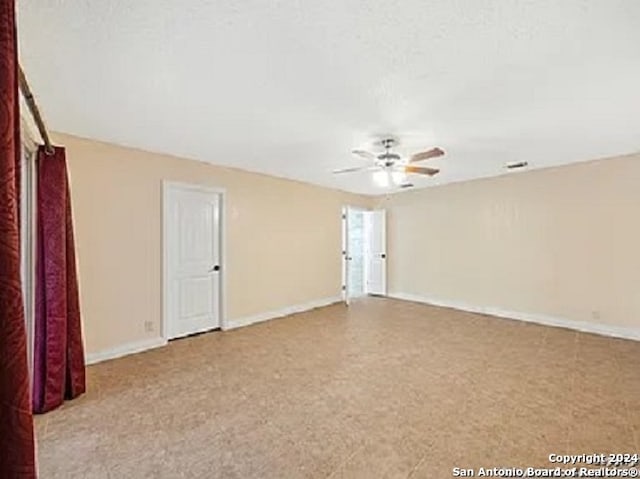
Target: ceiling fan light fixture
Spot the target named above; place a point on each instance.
(381, 178)
(398, 177)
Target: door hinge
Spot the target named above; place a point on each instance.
(344, 288)
(344, 217)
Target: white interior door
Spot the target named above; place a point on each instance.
(345, 255)
(193, 258)
(376, 252)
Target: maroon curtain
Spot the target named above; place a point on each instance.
(16, 422)
(59, 369)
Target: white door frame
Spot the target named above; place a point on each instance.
(173, 186)
(344, 263)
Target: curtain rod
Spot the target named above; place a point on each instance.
(35, 111)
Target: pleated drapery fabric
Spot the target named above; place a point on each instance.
(17, 457)
(59, 367)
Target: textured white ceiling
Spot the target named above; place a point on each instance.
(290, 87)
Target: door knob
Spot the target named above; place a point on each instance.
(214, 268)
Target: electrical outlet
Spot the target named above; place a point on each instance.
(149, 326)
(595, 314)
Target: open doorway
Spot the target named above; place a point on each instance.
(363, 253)
(356, 253)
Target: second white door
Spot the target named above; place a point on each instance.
(376, 252)
(193, 256)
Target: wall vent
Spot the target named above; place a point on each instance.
(516, 164)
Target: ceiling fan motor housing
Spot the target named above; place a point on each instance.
(388, 159)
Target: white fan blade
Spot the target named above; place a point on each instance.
(367, 155)
(350, 170)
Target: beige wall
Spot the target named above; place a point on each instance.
(563, 242)
(283, 238)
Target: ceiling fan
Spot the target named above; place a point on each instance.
(389, 165)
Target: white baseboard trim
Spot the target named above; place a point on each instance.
(298, 308)
(125, 350)
(585, 327)
(146, 344)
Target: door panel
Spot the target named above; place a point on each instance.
(193, 241)
(196, 225)
(376, 252)
(196, 297)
